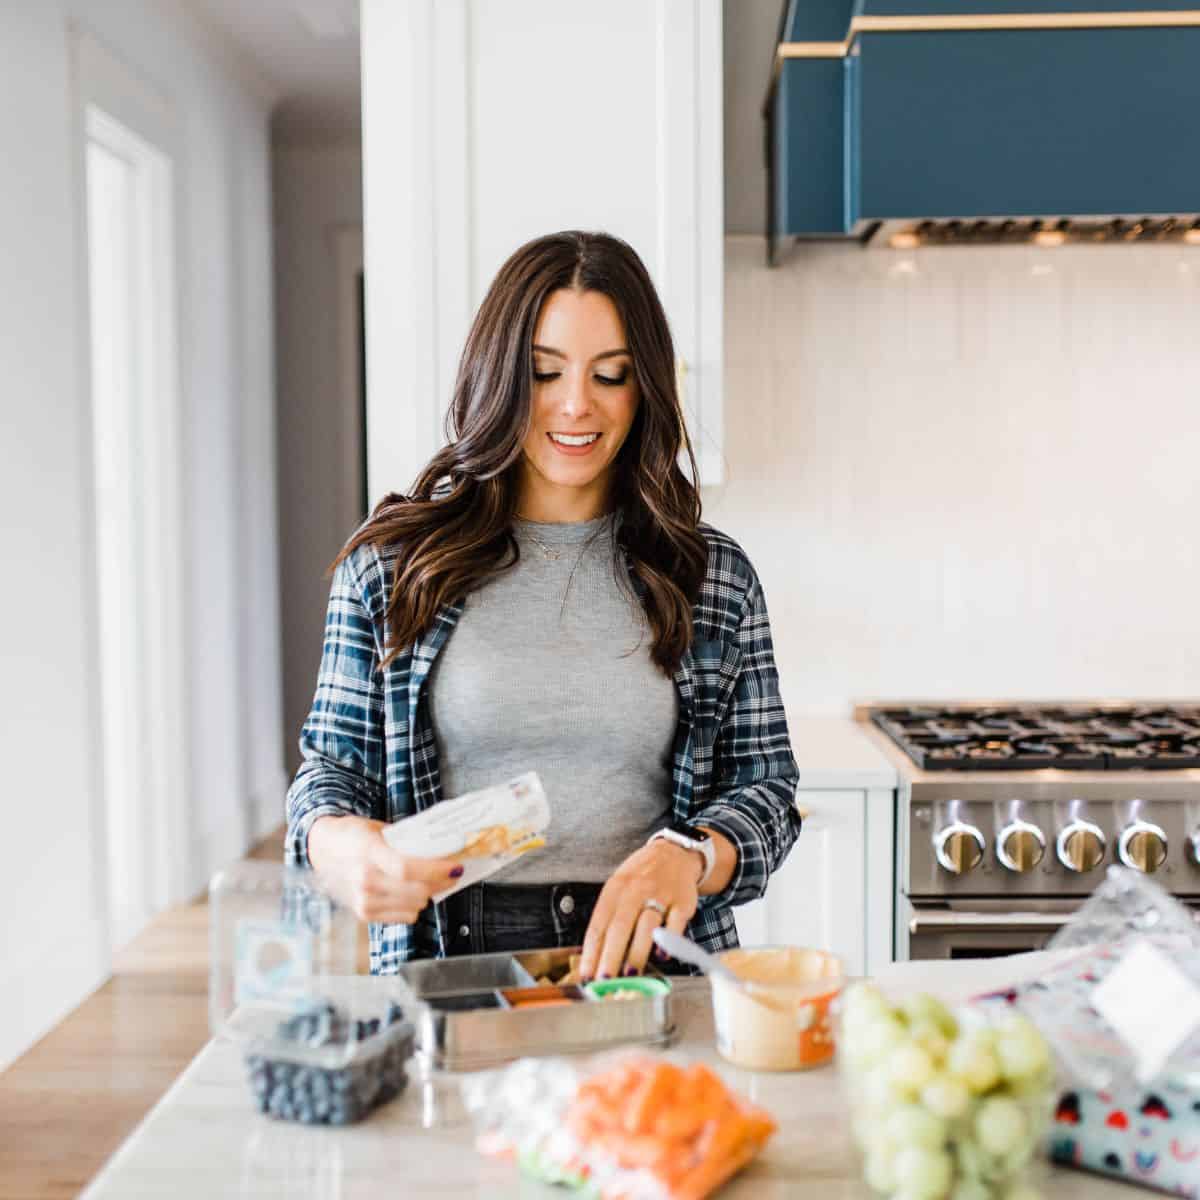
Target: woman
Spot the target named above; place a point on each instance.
(547, 599)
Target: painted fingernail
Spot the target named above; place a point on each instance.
(584, 980)
(660, 955)
(457, 872)
(604, 975)
(632, 971)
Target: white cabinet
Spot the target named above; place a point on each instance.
(835, 889)
(487, 124)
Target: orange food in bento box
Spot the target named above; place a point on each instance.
(681, 1124)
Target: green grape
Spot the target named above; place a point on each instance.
(973, 1060)
(922, 1174)
(924, 1007)
(1000, 1125)
(946, 1096)
(1012, 1162)
(875, 1040)
(971, 1189)
(880, 1172)
(911, 1125)
(970, 1159)
(1021, 1049)
(863, 999)
(910, 1067)
(879, 1092)
(929, 1036)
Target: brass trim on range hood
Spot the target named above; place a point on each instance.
(966, 22)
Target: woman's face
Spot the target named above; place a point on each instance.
(584, 401)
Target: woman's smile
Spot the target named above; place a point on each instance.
(574, 443)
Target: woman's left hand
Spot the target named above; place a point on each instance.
(620, 933)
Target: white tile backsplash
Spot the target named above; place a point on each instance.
(968, 472)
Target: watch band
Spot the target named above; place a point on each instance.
(703, 846)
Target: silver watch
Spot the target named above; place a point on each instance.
(703, 846)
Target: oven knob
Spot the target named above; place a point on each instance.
(1081, 846)
(1020, 846)
(959, 847)
(1142, 846)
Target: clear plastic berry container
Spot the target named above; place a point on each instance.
(322, 1045)
(944, 1104)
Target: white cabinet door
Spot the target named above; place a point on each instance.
(486, 124)
(818, 897)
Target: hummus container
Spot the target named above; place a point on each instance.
(782, 1022)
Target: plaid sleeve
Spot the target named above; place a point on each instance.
(754, 795)
(342, 740)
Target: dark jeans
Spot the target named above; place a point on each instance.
(491, 918)
(496, 917)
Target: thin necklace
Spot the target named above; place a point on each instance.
(558, 553)
(543, 547)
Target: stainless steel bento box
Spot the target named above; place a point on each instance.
(474, 1011)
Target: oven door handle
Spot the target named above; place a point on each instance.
(950, 922)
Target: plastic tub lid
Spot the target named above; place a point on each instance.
(283, 956)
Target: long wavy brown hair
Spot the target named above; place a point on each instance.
(455, 525)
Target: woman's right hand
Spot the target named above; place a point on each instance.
(376, 882)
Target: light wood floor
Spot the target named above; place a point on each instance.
(69, 1102)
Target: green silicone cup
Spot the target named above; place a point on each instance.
(600, 988)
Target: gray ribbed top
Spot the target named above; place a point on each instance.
(549, 669)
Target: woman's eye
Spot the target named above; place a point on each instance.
(546, 376)
(613, 380)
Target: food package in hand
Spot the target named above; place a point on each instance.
(484, 830)
(943, 1104)
(619, 1126)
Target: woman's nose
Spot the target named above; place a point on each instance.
(576, 397)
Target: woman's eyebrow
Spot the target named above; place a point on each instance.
(559, 354)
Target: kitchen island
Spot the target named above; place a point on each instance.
(205, 1139)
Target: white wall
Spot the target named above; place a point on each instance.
(317, 191)
(968, 472)
(51, 879)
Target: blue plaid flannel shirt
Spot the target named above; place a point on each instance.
(369, 748)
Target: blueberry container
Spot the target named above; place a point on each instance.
(322, 1045)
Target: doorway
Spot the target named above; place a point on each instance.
(134, 393)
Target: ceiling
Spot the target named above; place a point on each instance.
(307, 52)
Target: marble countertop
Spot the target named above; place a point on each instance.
(204, 1139)
(833, 752)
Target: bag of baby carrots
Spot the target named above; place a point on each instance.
(636, 1127)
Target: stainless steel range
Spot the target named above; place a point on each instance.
(1010, 813)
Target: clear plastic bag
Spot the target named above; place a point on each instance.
(634, 1126)
(1122, 1008)
(943, 1103)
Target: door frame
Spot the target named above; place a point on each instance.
(104, 84)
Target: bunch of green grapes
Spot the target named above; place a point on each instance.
(943, 1110)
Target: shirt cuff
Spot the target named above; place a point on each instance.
(296, 845)
(749, 879)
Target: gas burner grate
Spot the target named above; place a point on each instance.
(1070, 739)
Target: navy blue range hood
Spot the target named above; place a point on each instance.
(902, 122)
